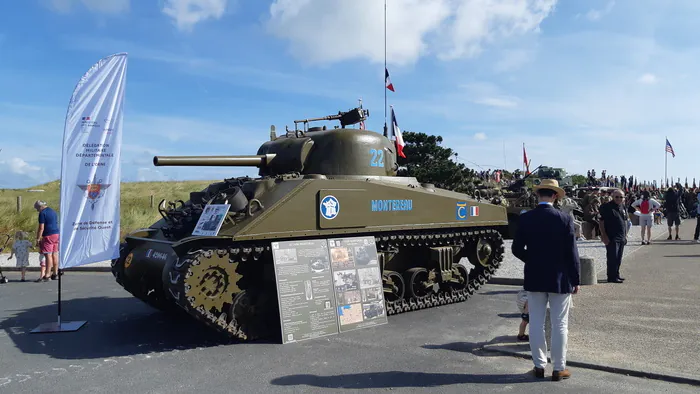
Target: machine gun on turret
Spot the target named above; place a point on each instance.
(346, 118)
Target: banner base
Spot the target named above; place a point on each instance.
(69, 326)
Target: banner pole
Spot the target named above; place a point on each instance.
(386, 130)
(60, 271)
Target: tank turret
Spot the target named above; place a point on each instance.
(335, 152)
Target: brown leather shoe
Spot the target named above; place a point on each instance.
(538, 372)
(559, 375)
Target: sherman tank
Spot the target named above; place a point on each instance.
(313, 182)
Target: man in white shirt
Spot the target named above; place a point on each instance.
(645, 208)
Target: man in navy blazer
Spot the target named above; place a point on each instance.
(546, 243)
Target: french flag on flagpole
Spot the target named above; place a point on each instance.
(387, 81)
(474, 211)
(397, 134)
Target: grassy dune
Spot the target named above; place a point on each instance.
(135, 203)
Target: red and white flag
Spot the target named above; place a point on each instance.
(397, 134)
(387, 81)
(525, 161)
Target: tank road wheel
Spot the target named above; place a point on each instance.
(460, 283)
(417, 282)
(394, 286)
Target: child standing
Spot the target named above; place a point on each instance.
(521, 301)
(20, 248)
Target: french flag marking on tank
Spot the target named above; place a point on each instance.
(473, 211)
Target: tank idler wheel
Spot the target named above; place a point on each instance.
(417, 282)
(394, 282)
(482, 254)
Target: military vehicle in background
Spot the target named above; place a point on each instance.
(520, 198)
(313, 182)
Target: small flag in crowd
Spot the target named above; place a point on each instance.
(669, 148)
(387, 81)
(397, 134)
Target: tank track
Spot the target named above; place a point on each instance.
(246, 260)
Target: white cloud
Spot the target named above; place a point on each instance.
(648, 79)
(484, 93)
(187, 13)
(595, 15)
(100, 6)
(480, 136)
(500, 102)
(354, 29)
(19, 166)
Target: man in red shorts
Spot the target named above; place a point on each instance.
(47, 238)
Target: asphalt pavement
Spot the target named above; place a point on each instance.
(128, 347)
(650, 324)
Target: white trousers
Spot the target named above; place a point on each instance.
(559, 305)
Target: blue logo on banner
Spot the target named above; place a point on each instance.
(461, 210)
(330, 207)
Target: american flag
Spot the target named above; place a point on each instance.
(669, 148)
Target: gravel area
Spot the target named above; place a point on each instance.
(512, 268)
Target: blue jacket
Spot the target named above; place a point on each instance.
(546, 243)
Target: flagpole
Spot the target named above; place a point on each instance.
(666, 161)
(505, 163)
(386, 131)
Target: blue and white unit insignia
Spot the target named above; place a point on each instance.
(461, 213)
(330, 207)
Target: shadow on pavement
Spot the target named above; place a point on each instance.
(115, 327)
(396, 379)
(496, 292)
(477, 348)
(692, 256)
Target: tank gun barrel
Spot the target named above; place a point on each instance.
(214, 161)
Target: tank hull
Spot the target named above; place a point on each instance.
(227, 282)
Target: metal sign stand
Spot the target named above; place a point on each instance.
(59, 326)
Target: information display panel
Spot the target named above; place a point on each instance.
(357, 282)
(304, 289)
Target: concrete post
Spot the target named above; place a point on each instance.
(19, 204)
(588, 271)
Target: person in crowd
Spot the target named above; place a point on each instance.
(672, 200)
(47, 238)
(697, 216)
(521, 301)
(546, 243)
(645, 208)
(613, 229)
(20, 249)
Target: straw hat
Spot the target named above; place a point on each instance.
(550, 184)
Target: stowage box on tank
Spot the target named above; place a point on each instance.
(313, 183)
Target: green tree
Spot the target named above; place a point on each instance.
(429, 162)
(578, 179)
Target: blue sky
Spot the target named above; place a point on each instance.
(584, 84)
